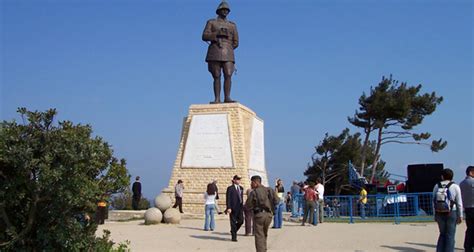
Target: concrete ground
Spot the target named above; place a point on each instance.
(190, 236)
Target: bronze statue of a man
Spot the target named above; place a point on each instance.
(223, 37)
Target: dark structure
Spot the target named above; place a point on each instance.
(222, 36)
(423, 177)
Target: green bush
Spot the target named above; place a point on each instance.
(104, 244)
(51, 177)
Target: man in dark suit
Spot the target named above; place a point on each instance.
(234, 203)
(137, 193)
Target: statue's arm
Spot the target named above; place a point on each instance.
(208, 35)
(235, 39)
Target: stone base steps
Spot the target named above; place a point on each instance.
(124, 215)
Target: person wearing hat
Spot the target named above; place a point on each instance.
(234, 206)
(222, 36)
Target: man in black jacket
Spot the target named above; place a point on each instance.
(234, 203)
(137, 193)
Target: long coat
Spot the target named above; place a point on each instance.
(223, 36)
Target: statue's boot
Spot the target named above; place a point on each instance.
(228, 100)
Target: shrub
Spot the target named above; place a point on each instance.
(51, 176)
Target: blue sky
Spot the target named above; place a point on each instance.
(131, 69)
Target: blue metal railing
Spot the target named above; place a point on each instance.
(402, 207)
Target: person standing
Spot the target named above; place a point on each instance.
(295, 190)
(288, 202)
(137, 193)
(210, 197)
(362, 201)
(234, 206)
(336, 207)
(248, 213)
(178, 194)
(320, 190)
(261, 201)
(467, 193)
(278, 217)
(101, 211)
(447, 203)
(310, 196)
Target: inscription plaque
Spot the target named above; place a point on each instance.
(257, 151)
(208, 143)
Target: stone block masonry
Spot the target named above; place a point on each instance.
(216, 143)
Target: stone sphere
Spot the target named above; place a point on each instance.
(163, 202)
(153, 216)
(172, 216)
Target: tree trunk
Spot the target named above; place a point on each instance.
(377, 155)
(337, 187)
(364, 151)
(324, 173)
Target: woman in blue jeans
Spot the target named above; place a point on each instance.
(210, 210)
(278, 217)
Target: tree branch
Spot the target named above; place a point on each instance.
(401, 142)
(395, 137)
(332, 177)
(397, 132)
(388, 123)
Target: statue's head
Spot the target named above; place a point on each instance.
(223, 9)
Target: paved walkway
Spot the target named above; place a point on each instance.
(189, 236)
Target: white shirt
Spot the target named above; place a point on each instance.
(320, 189)
(455, 192)
(210, 199)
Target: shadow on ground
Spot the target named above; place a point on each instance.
(193, 228)
(430, 245)
(421, 244)
(207, 237)
(403, 249)
(409, 249)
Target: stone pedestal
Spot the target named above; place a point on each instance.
(218, 141)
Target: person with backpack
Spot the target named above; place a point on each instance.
(447, 206)
(311, 197)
